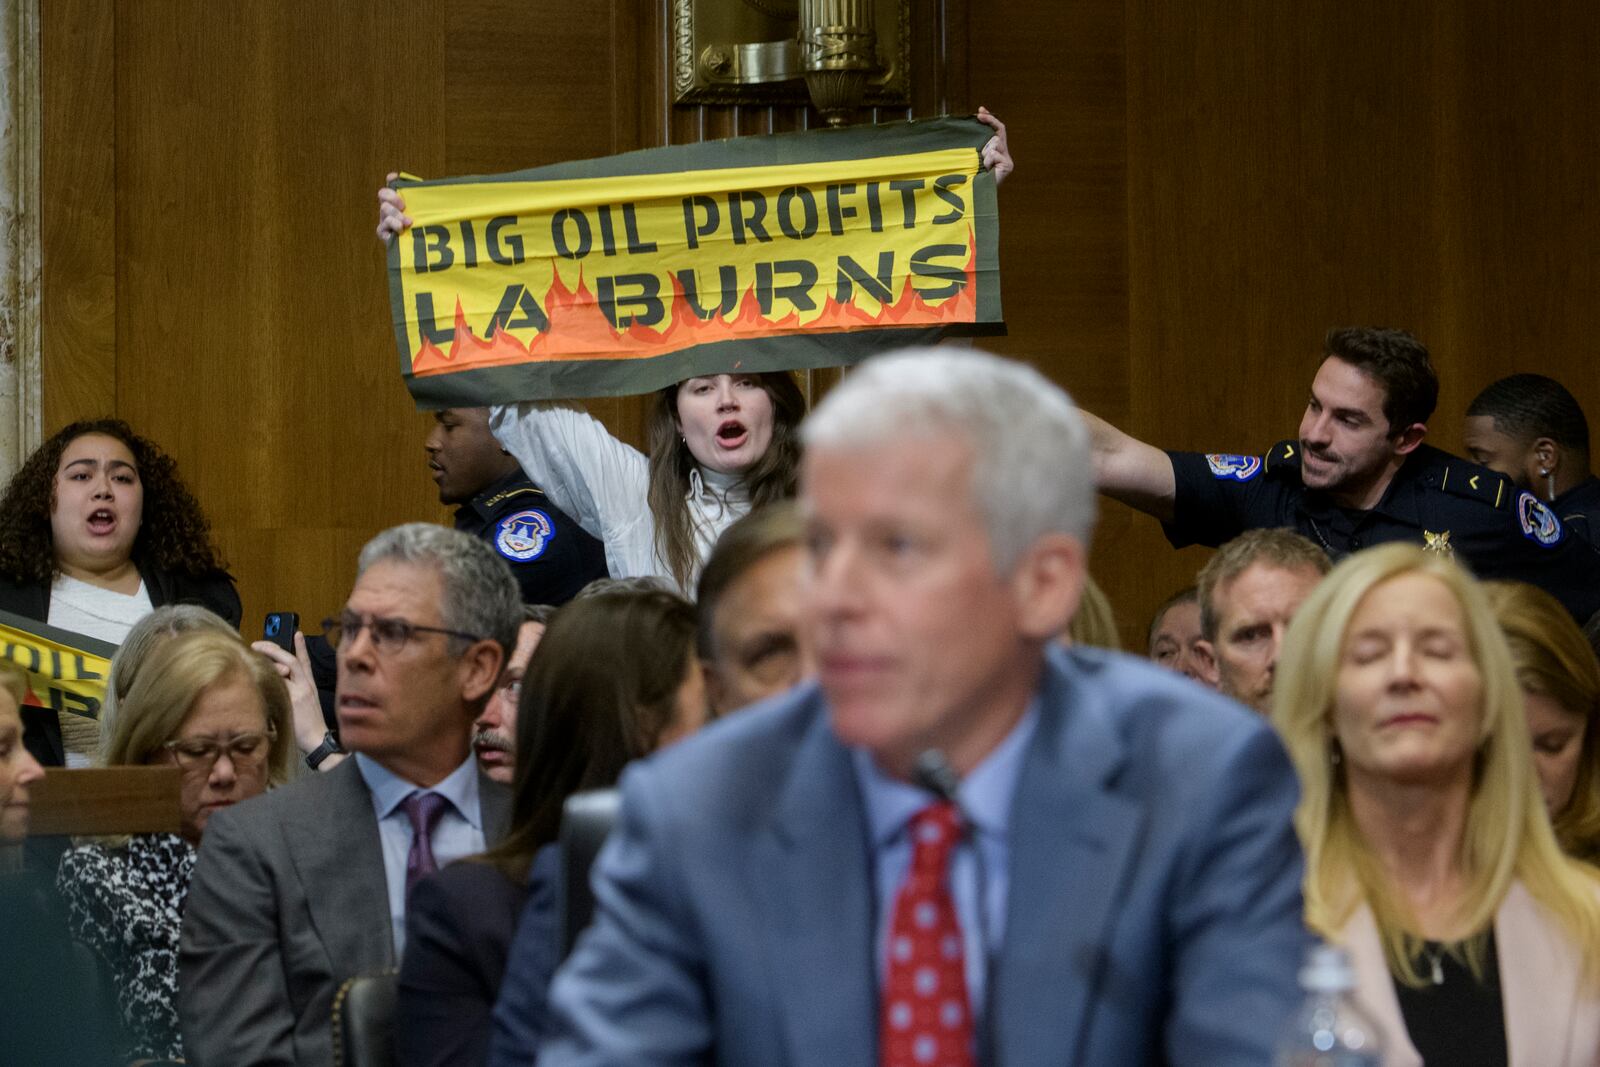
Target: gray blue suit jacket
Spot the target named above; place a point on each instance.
(1153, 915)
(288, 901)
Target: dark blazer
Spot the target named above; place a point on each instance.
(54, 1008)
(459, 929)
(1153, 914)
(31, 600)
(288, 901)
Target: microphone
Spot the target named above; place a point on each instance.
(932, 771)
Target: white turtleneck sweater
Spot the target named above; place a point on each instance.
(604, 485)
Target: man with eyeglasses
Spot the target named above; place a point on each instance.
(494, 735)
(306, 886)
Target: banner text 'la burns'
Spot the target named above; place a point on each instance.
(796, 214)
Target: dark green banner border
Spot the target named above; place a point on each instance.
(628, 377)
(556, 380)
(82, 642)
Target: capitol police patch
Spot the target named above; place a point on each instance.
(1539, 523)
(1239, 468)
(524, 536)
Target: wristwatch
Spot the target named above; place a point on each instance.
(329, 746)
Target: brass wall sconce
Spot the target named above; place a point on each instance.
(839, 55)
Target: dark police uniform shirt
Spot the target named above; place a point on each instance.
(1445, 503)
(1579, 509)
(551, 555)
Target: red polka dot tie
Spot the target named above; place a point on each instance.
(927, 1021)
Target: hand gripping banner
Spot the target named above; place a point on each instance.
(623, 275)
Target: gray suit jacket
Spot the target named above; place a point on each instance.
(288, 901)
(1153, 915)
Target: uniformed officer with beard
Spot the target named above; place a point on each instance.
(1358, 475)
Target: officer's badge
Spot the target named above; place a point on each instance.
(1238, 468)
(1539, 523)
(524, 536)
(1437, 542)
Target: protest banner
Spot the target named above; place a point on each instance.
(625, 274)
(66, 671)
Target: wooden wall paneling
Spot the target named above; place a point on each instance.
(631, 104)
(253, 327)
(647, 78)
(1295, 167)
(1273, 156)
(1056, 74)
(943, 39)
(1519, 224)
(77, 202)
(1202, 190)
(1277, 163)
(530, 84)
(237, 157)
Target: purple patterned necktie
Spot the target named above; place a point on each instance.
(423, 809)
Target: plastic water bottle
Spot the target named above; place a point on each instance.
(1329, 1030)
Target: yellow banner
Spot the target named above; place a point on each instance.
(66, 672)
(513, 271)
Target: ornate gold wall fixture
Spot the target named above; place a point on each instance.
(837, 54)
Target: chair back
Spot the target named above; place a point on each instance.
(586, 820)
(363, 1020)
(106, 800)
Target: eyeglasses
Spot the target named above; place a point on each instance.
(388, 635)
(245, 751)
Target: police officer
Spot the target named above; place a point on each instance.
(1531, 429)
(1358, 475)
(551, 556)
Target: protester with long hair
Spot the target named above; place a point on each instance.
(718, 445)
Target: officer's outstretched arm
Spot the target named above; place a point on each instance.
(1131, 471)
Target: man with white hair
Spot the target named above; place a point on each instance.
(962, 844)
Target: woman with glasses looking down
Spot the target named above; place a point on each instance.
(206, 704)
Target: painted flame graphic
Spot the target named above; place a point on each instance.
(579, 329)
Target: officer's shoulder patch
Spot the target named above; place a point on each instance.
(1283, 456)
(507, 494)
(1237, 468)
(1473, 482)
(1539, 524)
(523, 537)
